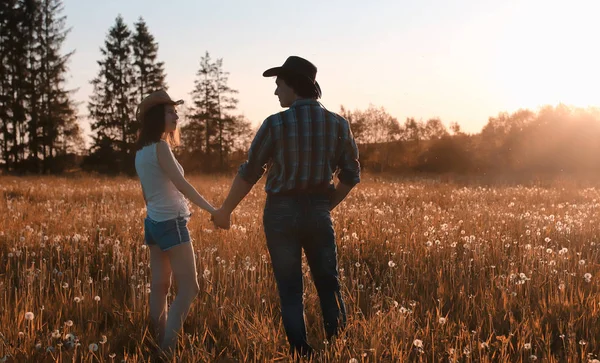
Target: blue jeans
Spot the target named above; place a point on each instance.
(293, 223)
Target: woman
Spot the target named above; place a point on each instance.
(165, 228)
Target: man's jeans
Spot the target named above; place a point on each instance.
(292, 223)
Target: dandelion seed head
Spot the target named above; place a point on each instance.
(29, 316)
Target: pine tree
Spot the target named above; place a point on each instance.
(14, 82)
(60, 133)
(226, 102)
(30, 27)
(200, 131)
(112, 103)
(35, 105)
(7, 24)
(149, 74)
(210, 120)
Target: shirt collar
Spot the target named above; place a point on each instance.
(304, 102)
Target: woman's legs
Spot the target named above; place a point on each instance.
(160, 267)
(183, 265)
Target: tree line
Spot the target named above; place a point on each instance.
(129, 71)
(552, 141)
(40, 129)
(38, 120)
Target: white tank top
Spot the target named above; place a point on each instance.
(164, 200)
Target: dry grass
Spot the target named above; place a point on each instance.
(431, 272)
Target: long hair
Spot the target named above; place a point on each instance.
(152, 129)
(301, 85)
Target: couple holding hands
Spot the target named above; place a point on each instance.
(303, 148)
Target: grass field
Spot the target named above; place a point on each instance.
(430, 272)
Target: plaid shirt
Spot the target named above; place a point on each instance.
(303, 148)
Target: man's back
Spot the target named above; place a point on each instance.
(304, 147)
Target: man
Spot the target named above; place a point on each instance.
(305, 146)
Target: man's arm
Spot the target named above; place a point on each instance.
(339, 194)
(238, 191)
(248, 174)
(349, 174)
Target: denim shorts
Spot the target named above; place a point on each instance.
(166, 234)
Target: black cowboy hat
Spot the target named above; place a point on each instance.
(299, 66)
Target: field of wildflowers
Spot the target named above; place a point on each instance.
(431, 272)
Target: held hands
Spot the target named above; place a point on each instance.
(221, 218)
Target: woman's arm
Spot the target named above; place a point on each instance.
(167, 162)
(144, 193)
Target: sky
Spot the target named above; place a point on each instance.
(461, 60)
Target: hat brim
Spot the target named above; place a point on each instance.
(272, 72)
(318, 89)
(178, 102)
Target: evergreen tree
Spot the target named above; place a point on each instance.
(226, 102)
(200, 131)
(211, 126)
(112, 104)
(149, 74)
(35, 110)
(7, 26)
(14, 47)
(59, 128)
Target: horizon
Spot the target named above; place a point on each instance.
(461, 63)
